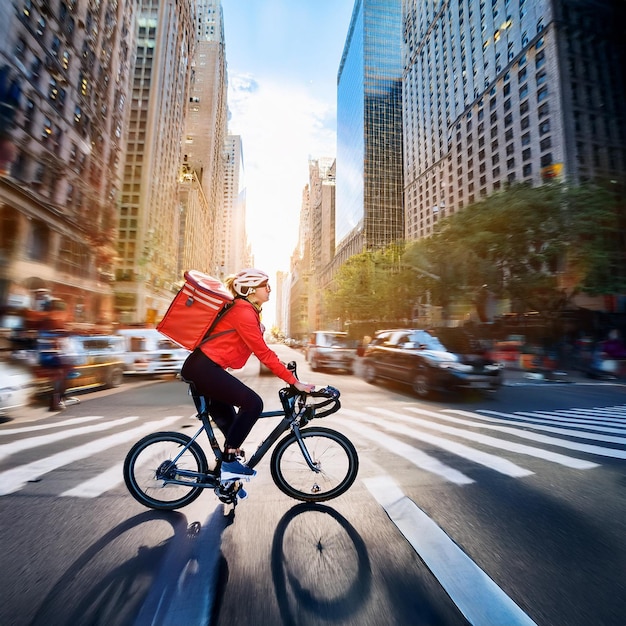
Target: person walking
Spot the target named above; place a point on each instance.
(237, 335)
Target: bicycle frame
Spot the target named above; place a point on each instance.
(293, 413)
(330, 468)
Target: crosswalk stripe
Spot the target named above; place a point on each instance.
(33, 442)
(15, 478)
(539, 417)
(99, 484)
(49, 425)
(615, 413)
(491, 461)
(494, 442)
(475, 594)
(553, 441)
(411, 454)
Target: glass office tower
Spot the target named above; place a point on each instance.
(369, 129)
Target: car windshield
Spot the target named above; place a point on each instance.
(423, 338)
(329, 340)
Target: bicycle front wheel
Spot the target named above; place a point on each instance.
(148, 466)
(334, 457)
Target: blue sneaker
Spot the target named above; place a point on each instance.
(234, 470)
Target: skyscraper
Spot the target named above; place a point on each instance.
(150, 208)
(508, 91)
(232, 241)
(64, 69)
(369, 130)
(203, 146)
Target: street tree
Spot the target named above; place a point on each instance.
(537, 246)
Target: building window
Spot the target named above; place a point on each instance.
(544, 127)
(508, 120)
(495, 172)
(545, 143)
(526, 155)
(527, 170)
(542, 94)
(525, 122)
(546, 159)
(540, 59)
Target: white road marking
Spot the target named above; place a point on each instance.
(503, 444)
(552, 441)
(475, 594)
(49, 425)
(96, 486)
(15, 478)
(20, 445)
(411, 454)
(491, 461)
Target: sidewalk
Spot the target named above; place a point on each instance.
(40, 410)
(516, 375)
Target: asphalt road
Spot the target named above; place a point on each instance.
(505, 510)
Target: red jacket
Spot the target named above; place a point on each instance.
(233, 349)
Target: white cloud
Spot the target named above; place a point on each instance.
(281, 126)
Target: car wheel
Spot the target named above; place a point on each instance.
(421, 384)
(116, 378)
(369, 373)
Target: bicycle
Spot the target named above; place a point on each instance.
(169, 470)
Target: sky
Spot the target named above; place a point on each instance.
(283, 57)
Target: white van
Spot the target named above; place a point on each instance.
(150, 352)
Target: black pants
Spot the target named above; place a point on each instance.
(226, 392)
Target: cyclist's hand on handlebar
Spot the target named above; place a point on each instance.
(305, 387)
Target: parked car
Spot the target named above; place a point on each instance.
(86, 361)
(147, 351)
(16, 385)
(329, 349)
(418, 358)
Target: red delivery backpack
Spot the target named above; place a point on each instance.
(195, 310)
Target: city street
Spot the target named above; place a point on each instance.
(478, 509)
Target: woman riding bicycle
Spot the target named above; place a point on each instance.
(237, 335)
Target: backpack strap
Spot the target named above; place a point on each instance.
(208, 336)
(215, 335)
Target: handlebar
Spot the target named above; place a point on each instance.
(329, 394)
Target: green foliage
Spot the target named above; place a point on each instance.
(371, 286)
(535, 245)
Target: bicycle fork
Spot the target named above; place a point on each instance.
(305, 453)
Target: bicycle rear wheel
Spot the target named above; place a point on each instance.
(149, 463)
(333, 455)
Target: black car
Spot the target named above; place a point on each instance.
(420, 359)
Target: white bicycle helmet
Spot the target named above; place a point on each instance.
(247, 280)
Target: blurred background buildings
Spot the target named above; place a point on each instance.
(119, 173)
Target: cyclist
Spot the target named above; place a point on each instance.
(237, 335)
